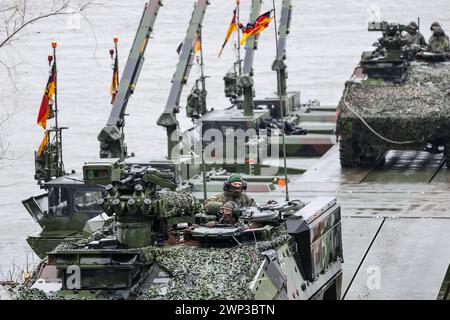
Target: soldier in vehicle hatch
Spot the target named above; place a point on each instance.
(233, 190)
(439, 41)
(229, 215)
(414, 38)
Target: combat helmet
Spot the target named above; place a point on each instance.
(412, 26)
(435, 24)
(236, 213)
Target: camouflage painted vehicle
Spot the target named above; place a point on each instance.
(158, 247)
(394, 104)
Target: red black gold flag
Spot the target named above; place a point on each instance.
(198, 45)
(114, 88)
(43, 144)
(253, 29)
(46, 111)
(231, 28)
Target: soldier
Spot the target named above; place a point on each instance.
(234, 189)
(434, 25)
(414, 38)
(229, 213)
(439, 41)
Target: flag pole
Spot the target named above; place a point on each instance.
(203, 81)
(202, 61)
(59, 153)
(281, 104)
(238, 22)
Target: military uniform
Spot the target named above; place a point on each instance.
(213, 204)
(415, 39)
(439, 41)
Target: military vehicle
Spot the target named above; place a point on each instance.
(297, 129)
(148, 238)
(395, 100)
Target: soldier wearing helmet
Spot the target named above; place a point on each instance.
(439, 41)
(229, 216)
(434, 25)
(414, 38)
(233, 190)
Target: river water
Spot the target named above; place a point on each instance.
(325, 44)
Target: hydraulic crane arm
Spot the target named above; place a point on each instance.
(112, 137)
(168, 118)
(279, 65)
(246, 80)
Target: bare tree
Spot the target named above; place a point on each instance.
(15, 17)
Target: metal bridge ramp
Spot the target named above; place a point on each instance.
(396, 222)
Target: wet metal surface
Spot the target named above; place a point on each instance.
(407, 167)
(328, 170)
(396, 222)
(360, 231)
(407, 261)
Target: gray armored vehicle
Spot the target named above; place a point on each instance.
(396, 100)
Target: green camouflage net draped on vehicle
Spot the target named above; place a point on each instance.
(417, 110)
(191, 269)
(210, 273)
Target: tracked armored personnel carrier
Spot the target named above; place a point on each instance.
(158, 247)
(395, 100)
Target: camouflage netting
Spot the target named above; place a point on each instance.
(107, 230)
(416, 110)
(210, 273)
(34, 294)
(196, 273)
(177, 203)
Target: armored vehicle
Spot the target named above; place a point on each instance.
(159, 246)
(395, 100)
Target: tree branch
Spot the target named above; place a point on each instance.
(60, 11)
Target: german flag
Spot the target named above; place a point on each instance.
(115, 80)
(231, 28)
(46, 111)
(198, 44)
(114, 88)
(253, 29)
(43, 144)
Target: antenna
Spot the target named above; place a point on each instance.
(281, 105)
(238, 22)
(205, 191)
(203, 80)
